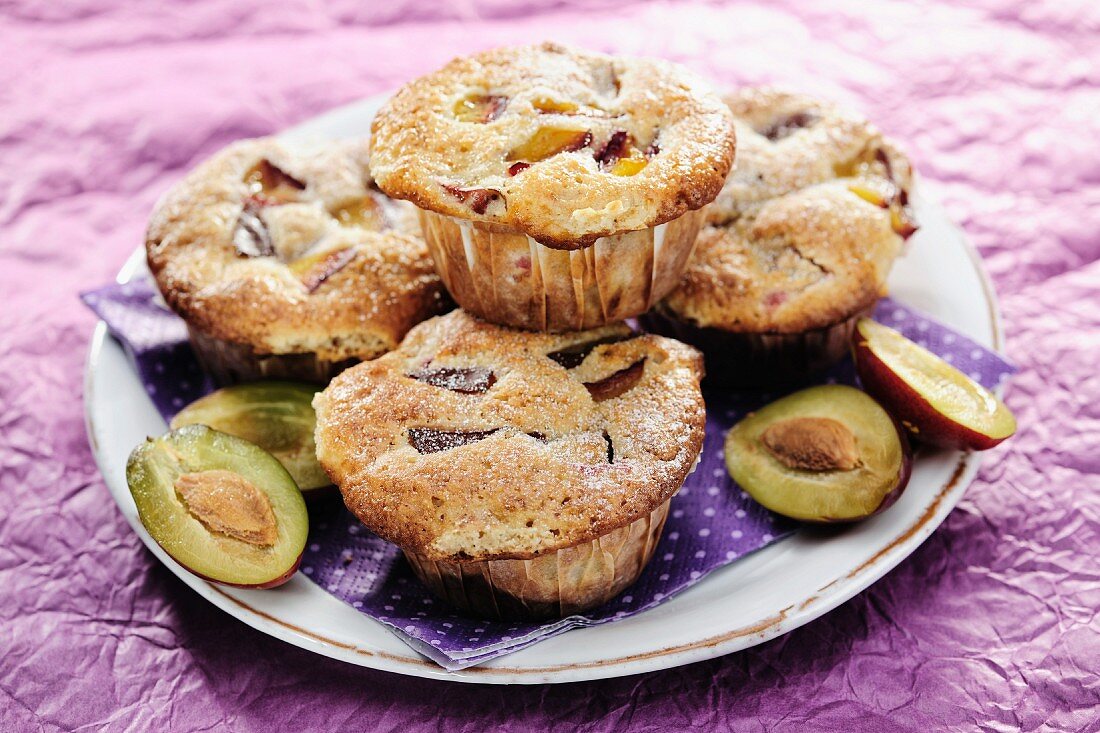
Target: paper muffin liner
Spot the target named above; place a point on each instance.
(735, 359)
(569, 581)
(228, 362)
(506, 277)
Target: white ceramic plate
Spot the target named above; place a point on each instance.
(760, 597)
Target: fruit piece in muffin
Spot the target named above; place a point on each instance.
(788, 141)
(568, 145)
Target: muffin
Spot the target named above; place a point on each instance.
(524, 475)
(290, 263)
(798, 244)
(559, 189)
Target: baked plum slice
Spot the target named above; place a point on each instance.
(547, 142)
(478, 199)
(616, 384)
(314, 270)
(221, 506)
(271, 185)
(480, 108)
(824, 454)
(620, 157)
(934, 401)
(277, 416)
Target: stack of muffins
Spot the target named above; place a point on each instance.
(522, 451)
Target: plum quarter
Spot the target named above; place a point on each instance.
(936, 403)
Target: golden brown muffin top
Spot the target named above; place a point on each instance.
(473, 441)
(292, 251)
(805, 231)
(562, 144)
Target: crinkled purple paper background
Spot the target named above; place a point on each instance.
(990, 625)
(712, 522)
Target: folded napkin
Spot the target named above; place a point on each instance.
(711, 523)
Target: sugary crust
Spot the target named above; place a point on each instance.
(791, 246)
(542, 481)
(284, 303)
(838, 143)
(567, 200)
(806, 260)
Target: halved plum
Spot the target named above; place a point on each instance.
(824, 454)
(935, 402)
(277, 416)
(221, 506)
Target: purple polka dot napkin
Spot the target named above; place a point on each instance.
(156, 341)
(711, 523)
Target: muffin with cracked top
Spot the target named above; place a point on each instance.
(290, 263)
(524, 475)
(798, 245)
(560, 189)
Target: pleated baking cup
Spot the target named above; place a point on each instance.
(228, 362)
(559, 584)
(745, 359)
(506, 277)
